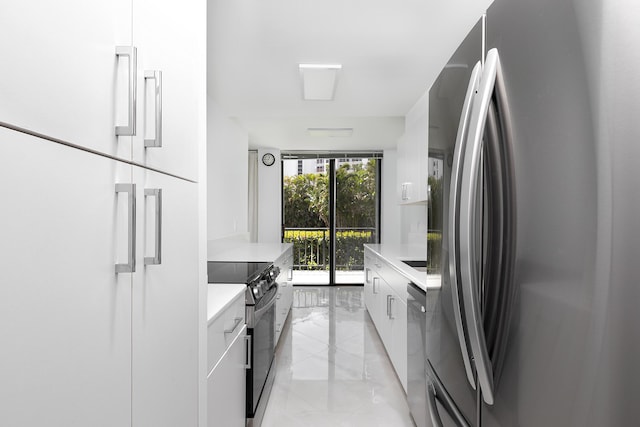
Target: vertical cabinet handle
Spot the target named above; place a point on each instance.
(375, 282)
(290, 274)
(388, 305)
(157, 256)
(156, 76)
(132, 54)
(391, 300)
(248, 340)
(130, 266)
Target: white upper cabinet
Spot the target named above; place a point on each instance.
(60, 71)
(170, 38)
(413, 154)
(62, 77)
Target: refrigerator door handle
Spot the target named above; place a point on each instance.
(468, 226)
(433, 407)
(454, 216)
(436, 391)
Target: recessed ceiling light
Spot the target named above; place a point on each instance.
(330, 132)
(319, 81)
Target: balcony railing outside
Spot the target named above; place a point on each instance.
(311, 247)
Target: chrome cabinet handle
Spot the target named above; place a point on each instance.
(491, 78)
(290, 274)
(389, 306)
(454, 217)
(157, 257)
(249, 341)
(391, 301)
(130, 266)
(132, 53)
(236, 321)
(375, 281)
(156, 76)
(366, 275)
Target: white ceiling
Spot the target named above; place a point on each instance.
(390, 50)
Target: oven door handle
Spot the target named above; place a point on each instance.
(258, 314)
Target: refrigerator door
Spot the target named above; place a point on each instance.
(447, 344)
(546, 364)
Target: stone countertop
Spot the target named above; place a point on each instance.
(244, 251)
(395, 254)
(219, 296)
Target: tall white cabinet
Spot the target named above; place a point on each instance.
(85, 342)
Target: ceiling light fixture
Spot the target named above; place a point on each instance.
(319, 81)
(330, 132)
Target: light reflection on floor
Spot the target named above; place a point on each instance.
(332, 369)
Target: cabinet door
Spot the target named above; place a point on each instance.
(398, 344)
(165, 303)
(60, 73)
(171, 38)
(65, 315)
(226, 388)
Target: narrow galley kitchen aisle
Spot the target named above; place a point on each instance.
(332, 369)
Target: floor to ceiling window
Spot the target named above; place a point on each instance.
(331, 208)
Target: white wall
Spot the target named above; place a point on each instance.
(269, 198)
(227, 179)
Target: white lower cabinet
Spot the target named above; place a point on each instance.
(226, 386)
(387, 306)
(285, 290)
(227, 355)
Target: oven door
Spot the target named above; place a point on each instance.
(262, 335)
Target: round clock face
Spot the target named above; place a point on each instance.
(268, 159)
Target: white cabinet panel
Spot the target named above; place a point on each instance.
(171, 38)
(65, 315)
(165, 304)
(285, 291)
(60, 71)
(226, 387)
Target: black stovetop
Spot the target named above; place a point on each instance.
(235, 271)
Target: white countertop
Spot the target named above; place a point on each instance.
(395, 254)
(219, 296)
(244, 251)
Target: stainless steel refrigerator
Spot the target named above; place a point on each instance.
(537, 320)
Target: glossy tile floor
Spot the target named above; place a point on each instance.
(332, 369)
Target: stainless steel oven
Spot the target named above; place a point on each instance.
(260, 299)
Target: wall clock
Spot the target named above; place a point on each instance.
(268, 159)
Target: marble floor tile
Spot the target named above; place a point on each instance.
(331, 367)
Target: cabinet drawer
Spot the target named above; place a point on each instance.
(224, 328)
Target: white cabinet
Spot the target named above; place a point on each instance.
(226, 387)
(170, 38)
(285, 290)
(62, 77)
(60, 69)
(386, 301)
(413, 153)
(165, 301)
(84, 343)
(65, 316)
(227, 358)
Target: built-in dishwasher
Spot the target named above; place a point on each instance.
(416, 354)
